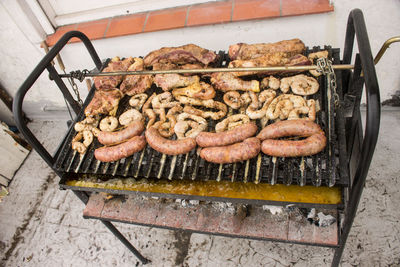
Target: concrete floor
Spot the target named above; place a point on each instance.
(41, 225)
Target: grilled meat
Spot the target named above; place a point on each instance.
(166, 146)
(136, 84)
(133, 129)
(103, 102)
(238, 134)
(200, 90)
(226, 81)
(314, 143)
(185, 54)
(269, 60)
(169, 81)
(250, 51)
(110, 82)
(123, 150)
(247, 149)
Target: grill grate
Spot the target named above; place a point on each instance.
(318, 170)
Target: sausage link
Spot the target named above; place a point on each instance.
(238, 134)
(245, 150)
(286, 148)
(109, 138)
(123, 150)
(289, 128)
(166, 146)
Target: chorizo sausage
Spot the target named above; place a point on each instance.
(241, 151)
(166, 146)
(238, 134)
(133, 129)
(314, 143)
(123, 150)
(289, 128)
(287, 148)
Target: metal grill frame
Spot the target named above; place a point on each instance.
(358, 147)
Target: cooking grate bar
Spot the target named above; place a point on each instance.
(81, 159)
(128, 163)
(115, 168)
(71, 161)
(258, 169)
(246, 171)
(302, 168)
(219, 172)
(162, 164)
(139, 163)
(233, 178)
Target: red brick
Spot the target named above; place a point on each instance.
(166, 19)
(211, 13)
(148, 213)
(255, 9)
(94, 206)
(93, 29)
(129, 210)
(112, 209)
(263, 224)
(300, 230)
(189, 218)
(301, 7)
(208, 220)
(126, 25)
(52, 39)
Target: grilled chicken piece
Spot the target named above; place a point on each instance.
(169, 81)
(111, 82)
(226, 81)
(103, 102)
(250, 51)
(136, 84)
(185, 54)
(269, 60)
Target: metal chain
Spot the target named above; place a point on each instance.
(325, 67)
(80, 75)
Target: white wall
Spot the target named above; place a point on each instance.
(382, 18)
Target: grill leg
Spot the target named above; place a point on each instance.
(124, 241)
(85, 198)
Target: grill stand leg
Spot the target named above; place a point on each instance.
(84, 197)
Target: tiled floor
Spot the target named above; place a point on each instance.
(41, 225)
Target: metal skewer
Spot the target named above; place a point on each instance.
(80, 75)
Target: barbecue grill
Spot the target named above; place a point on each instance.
(332, 179)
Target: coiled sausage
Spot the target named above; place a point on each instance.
(314, 143)
(123, 150)
(109, 138)
(238, 134)
(166, 146)
(241, 151)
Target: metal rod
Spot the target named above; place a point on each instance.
(124, 241)
(210, 70)
(384, 47)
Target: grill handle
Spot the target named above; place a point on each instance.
(356, 29)
(45, 63)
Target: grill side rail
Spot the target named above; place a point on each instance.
(364, 74)
(45, 63)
